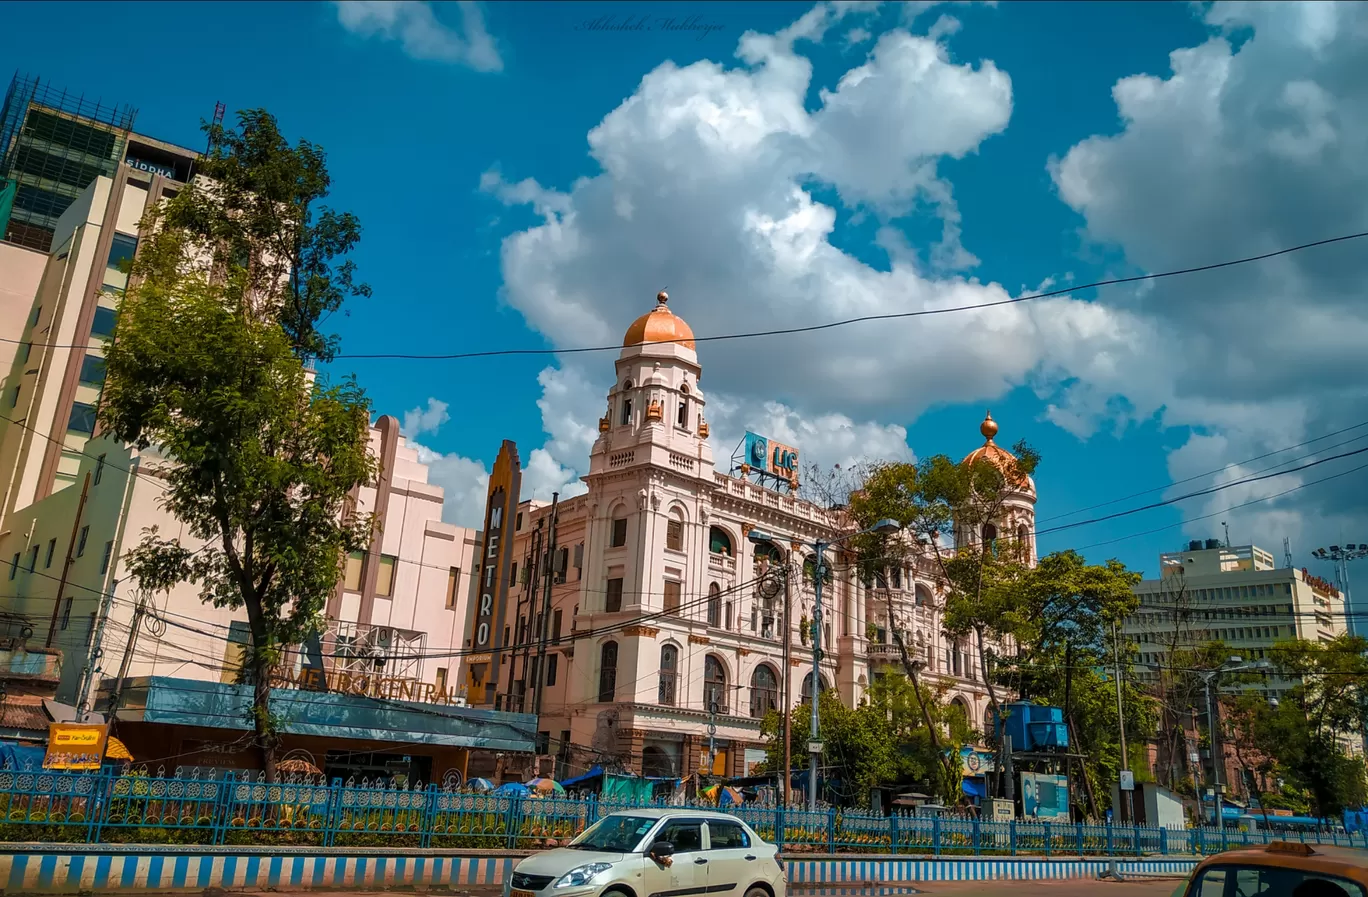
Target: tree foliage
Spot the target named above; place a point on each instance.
(208, 368)
(1303, 737)
(883, 741)
(934, 501)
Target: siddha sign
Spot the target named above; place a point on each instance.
(772, 457)
(396, 688)
(150, 167)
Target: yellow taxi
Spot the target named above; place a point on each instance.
(1282, 869)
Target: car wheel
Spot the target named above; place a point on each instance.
(757, 892)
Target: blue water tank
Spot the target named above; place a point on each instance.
(1034, 727)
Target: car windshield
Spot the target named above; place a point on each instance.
(1267, 881)
(614, 834)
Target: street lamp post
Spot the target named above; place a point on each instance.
(1233, 665)
(1341, 556)
(819, 573)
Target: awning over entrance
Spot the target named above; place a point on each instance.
(193, 702)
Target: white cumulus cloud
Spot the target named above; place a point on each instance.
(414, 25)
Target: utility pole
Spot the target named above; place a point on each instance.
(138, 613)
(66, 565)
(83, 704)
(814, 745)
(520, 645)
(545, 620)
(787, 682)
(1215, 757)
(1121, 727)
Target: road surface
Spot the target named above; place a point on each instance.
(1074, 887)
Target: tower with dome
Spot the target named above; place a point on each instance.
(666, 626)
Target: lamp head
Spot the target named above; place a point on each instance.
(759, 537)
(885, 527)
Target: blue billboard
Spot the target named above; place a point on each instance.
(1044, 797)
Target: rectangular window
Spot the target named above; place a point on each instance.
(556, 626)
(93, 370)
(52, 549)
(579, 556)
(13, 397)
(14, 565)
(441, 680)
(384, 582)
(351, 575)
(37, 313)
(453, 584)
(33, 558)
(66, 613)
(121, 249)
(672, 590)
(674, 535)
(682, 419)
(99, 469)
(619, 538)
(626, 412)
(612, 599)
(552, 661)
(108, 553)
(90, 631)
(24, 350)
(81, 543)
(82, 418)
(103, 324)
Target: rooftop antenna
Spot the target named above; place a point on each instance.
(1227, 533)
(1287, 552)
(219, 110)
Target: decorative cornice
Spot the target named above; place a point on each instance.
(643, 631)
(742, 652)
(699, 640)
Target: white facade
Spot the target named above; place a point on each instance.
(656, 560)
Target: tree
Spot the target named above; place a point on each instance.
(882, 741)
(1303, 733)
(208, 364)
(935, 501)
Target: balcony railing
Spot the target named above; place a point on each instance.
(722, 563)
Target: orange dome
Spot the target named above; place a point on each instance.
(659, 325)
(998, 456)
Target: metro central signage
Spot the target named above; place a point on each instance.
(396, 688)
(496, 559)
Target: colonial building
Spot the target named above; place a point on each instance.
(664, 634)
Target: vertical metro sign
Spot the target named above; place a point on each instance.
(496, 558)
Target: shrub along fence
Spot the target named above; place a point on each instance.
(211, 808)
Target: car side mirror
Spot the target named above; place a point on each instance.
(661, 850)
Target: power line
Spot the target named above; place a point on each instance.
(1217, 470)
(1200, 492)
(813, 328)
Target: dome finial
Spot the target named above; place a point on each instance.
(662, 297)
(989, 427)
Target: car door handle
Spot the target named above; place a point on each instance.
(750, 857)
(699, 861)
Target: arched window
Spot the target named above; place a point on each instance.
(1024, 542)
(764, 691)
(714, 605)
(806, 693)
(990, 538)
(669, 675)
(768, 553)
(719, 541)
(674, 532)
(959, 708)
(714, 685)
(608, 660)
(810, 570)
(922, 595)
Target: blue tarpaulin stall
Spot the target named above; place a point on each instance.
(14, 755)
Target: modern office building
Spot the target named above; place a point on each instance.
(1235, 595)
(665, 639)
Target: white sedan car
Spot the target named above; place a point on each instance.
(655, 853)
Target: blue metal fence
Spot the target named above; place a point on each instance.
(227, 808)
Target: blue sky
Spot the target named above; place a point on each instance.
(432, 130)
